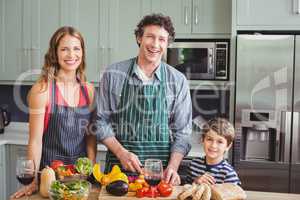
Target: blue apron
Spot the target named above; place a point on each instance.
(65, 136)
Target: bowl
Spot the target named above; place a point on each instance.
(71, 190)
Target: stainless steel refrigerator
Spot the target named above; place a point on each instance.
(267, 120)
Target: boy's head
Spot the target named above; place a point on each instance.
(222, 127)
(217, 138)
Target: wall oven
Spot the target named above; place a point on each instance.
(200, 60)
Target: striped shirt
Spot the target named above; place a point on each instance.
(179, 105)
(222, 172)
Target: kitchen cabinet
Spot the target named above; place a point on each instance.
(91, 19)
(2, 173)
(268, 14)
(197, 16)
(25, 32)
(12, 152)
(108, 31)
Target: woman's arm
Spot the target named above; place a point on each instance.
(91, 139)
(37, 101)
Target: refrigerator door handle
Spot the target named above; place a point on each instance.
(295, 141)
(285, 126)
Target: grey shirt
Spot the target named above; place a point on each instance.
(177, 95)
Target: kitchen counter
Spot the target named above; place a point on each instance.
(251, 195)
(17, 133)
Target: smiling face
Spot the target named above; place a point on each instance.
(69, 53)
(153, 44)
(214, 147)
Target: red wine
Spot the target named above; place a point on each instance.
(153, 181)
(25, 179)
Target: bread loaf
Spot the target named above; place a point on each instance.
(227, 191)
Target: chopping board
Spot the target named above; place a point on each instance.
(103, 195)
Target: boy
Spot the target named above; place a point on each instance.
(217, 138)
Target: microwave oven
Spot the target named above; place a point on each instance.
(199, 60)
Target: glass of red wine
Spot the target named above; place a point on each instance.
(25, 171)
(153, 173)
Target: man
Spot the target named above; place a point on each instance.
(144, 105)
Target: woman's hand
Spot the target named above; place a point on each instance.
(28, 190)
(205, 178)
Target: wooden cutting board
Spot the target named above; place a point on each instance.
(103, 195)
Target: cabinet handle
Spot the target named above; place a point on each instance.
(110, 50)
(295, 141)
(185, 15)
(296, 5)
(196, 14)
(101, 56)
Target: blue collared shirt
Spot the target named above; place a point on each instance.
(178, 102)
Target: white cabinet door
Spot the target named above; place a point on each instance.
(2, 173)
(45, 18)
(14, 46)
(126, 16)
(12, 153)
(88, 18)
(26, 28)
(269, 13)
(211, 16)
(180, 12)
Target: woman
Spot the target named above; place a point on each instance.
(60, 103)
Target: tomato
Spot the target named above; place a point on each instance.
(164, 189)
(140, 193)
(71, 168)
(56, 163)
(152, 192)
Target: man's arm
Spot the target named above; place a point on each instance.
(103, 130)
(181, 127)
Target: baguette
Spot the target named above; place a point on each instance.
(187, 193)
(207, 192)
(198, 193)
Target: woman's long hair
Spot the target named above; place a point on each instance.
(51, 65)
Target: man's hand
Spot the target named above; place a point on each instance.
(171, 176)
(130, 161)
(205, 178)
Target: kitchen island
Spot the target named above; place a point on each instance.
(251, 195)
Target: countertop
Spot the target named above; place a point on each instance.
(17, 133)
(251, 195)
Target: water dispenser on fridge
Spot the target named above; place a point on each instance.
(259, 134)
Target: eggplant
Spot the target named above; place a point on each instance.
(117, 188)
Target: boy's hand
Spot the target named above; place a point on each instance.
(205, 178)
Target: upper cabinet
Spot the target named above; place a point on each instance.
(210, 17)
(268, 14)
(106, 25)
(26, 28)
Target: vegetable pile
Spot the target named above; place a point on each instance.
(83, 167)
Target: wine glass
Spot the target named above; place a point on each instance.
(153, 173)
(25, 171)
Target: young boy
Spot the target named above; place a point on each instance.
(217, 138)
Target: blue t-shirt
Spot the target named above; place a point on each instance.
(223, 172)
